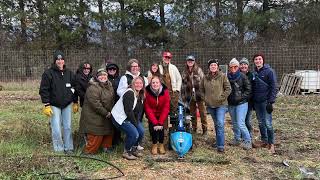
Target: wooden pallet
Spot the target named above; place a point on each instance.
(310, 91)
(290, 84)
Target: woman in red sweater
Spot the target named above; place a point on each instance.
(157, 107)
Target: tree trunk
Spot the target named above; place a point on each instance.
(123, 28)
(239, 21)
(103, 26)
(84, 26)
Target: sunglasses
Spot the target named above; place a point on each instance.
(112, 69)
(87, 68)
(167, 57)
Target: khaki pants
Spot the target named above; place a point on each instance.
(203, 114)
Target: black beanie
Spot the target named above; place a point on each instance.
(58, 55)
(213, 61)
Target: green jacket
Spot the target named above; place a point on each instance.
(215, 90)
(98, 101)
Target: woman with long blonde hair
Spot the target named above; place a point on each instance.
(126, 115)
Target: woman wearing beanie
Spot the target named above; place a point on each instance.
(157, 107)
(215, 89)
(244, 68)
(95, 120)
(126, 115)
(191, 95)
(57, 94)
(238, 104)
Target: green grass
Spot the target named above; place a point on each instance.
(25, 141)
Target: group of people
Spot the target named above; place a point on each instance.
(112, 105)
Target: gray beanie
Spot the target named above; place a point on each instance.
(244, 61)
(234, 62)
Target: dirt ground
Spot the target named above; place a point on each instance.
(297, 131)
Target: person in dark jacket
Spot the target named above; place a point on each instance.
(238, 104)
(244, 68)
(95, 121)
(114, 78)
(264, 92)
(83, 75)
(57, 94)
(157, 107)
(126, 115)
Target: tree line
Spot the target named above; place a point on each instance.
(155, 24)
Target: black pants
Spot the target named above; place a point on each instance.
(156, 136)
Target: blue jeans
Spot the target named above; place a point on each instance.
(218, 116)
(61, 122)
(134, 135)
(265, 122)
(238, 114)
(248, 121)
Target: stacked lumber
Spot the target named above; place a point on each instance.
(290, 84)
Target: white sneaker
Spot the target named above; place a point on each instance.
(140, 148)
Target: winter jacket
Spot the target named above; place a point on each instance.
(125, 82)
(82, 82)
(264, 87)
(99, 100)
(240, 89)
(175, 77)
(215, 89)
(114, 80)
(191, 80)
(57, 87)
(157, 106)
(250, 78)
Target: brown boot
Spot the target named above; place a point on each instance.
(259, 144)
(161, 149)
(271, 149)
(154, 149)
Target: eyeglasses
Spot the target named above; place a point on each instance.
(112, 69)
(135, 66)
(233, 67)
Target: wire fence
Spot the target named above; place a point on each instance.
(29, 65)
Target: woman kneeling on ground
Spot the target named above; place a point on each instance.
(157, 107)
(95, 121)
(126, 115)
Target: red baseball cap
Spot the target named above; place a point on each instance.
(167, 54)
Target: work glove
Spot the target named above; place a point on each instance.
(47, 111)
(269, 108)
(75, 107)
(108, 115)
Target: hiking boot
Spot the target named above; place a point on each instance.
(271, 149)
(260, 144)
(234, 142)
(128, 156)
(154, 149)
(68, 152)
(161, 149)
(247, 145)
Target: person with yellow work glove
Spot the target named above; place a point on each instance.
(47, 110)
(75, 107)
(57, 94)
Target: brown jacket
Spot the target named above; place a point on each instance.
(191, 80)
(98, 101)
(215, 89)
